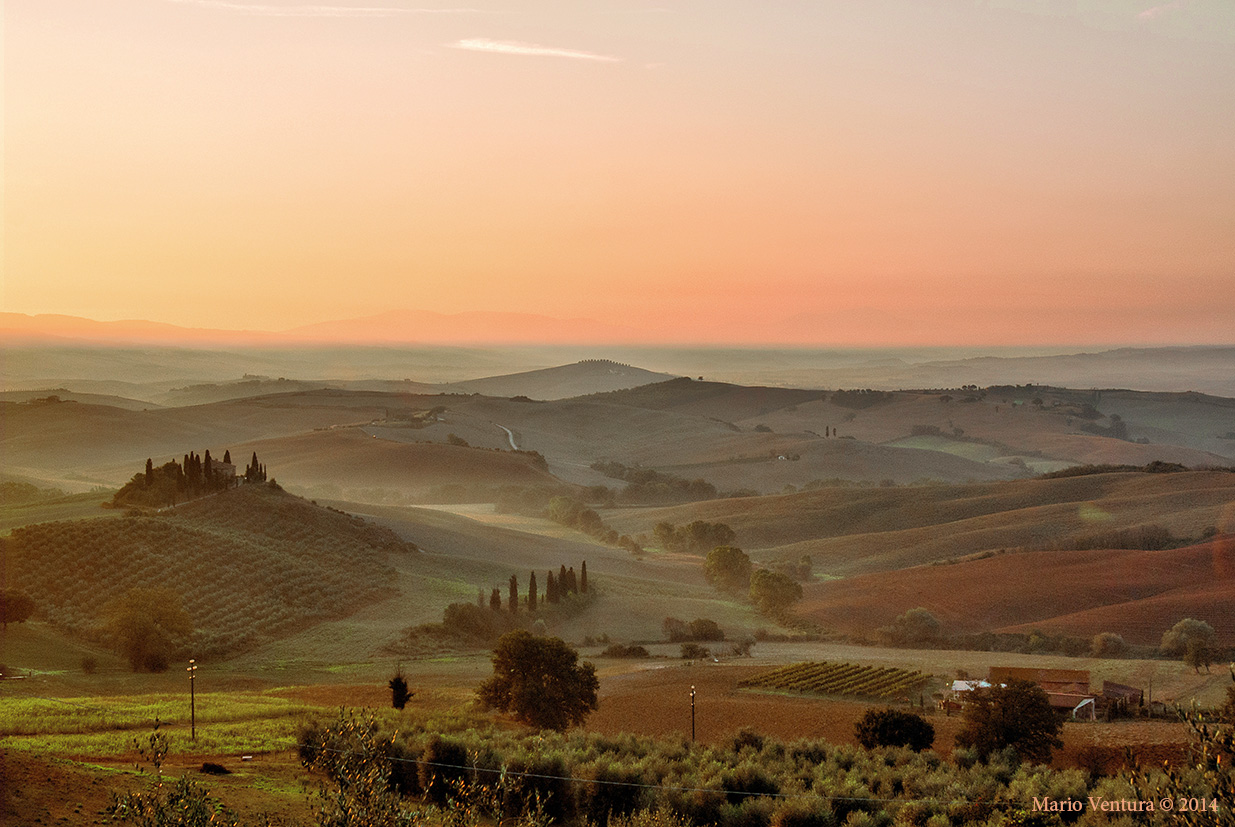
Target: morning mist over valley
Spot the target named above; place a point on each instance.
(617, 414)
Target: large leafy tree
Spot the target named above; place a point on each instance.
(1018, 715)
(915, 627)
(540, 681)
(728, 568)
(147, 625)
(773, 592)
(1194, 639)
(15, 607)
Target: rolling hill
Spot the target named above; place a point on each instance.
(349, 462)
(579, 379)
(1136, 594)
(251, 563)
(850, 531)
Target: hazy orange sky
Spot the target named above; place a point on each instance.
(1054, 171)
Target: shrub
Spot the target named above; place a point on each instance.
(609, 791)
(705, 630)
(914, 628)
(693, 651)
(443, 768)
(1108, 645)
(617, 650)
(894, 728)
(399, 692)
(747, 738)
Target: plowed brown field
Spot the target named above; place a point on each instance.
(656, 701)
(1137, 594)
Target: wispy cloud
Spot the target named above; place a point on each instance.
(259, 10)
(1165, 8)
(514, 47)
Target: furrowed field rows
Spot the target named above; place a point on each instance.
(838, 679)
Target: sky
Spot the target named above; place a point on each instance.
(825, 172)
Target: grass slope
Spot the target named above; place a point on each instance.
(351, 459)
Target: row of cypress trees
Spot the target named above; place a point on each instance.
(564, 584)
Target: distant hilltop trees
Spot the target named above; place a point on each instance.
(195, 476)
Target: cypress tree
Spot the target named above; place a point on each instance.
(149, 472)
(227, 457)
(531, 593)
(514, 595)
(572, 585)
(583, 578)
(495, 599)
(551, 594)
(562, 587)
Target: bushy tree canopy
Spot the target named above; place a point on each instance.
(15, 606)
(540, 680)
(894, 728)
(728, 568)
(147, 625)
(915, 627)
(1018, 715)
(1108, 645)
(774, 593)
(1193, 639)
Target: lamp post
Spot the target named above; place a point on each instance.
(192, 670)
(692, 713)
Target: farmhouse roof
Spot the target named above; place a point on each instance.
(1043, 677)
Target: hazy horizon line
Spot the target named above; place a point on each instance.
(65, 329)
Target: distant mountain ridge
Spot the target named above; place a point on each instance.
(579, 379)
(392, 327)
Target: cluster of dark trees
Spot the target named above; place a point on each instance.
(193, 477)
(1017, 716)
(1155, 467)
(571, 513)
(698, 537)
(646, 486)
(729, 569)
(700, 629)
(557, 588)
